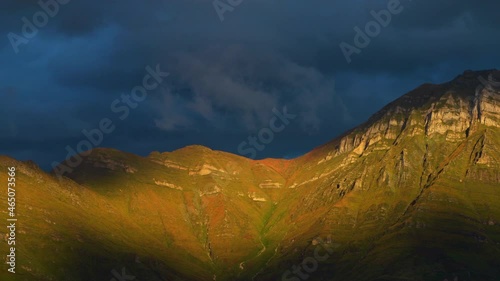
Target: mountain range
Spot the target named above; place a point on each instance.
(411, 194)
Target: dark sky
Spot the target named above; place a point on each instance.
(225, 76)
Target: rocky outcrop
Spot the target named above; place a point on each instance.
(205, 169)
(453, 110)
(167, 184)
(487, 107)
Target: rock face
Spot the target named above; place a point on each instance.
(412, 194)
(453, 110)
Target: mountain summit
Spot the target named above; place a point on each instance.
(412, 194)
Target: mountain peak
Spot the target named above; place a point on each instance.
(472, 79)
(453, 110)
(195, 148)
(475, 74)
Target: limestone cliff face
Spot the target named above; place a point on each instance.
(452, 110)
(433, 130)
(487, 107)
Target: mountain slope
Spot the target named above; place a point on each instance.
(412, 194)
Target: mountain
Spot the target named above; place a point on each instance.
(412, 194)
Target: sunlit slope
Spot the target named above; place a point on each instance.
(410, 184)
(412, 194)
(214, 206)
(71, 232)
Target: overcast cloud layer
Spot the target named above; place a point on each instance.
(225, 76)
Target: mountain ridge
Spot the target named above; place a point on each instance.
(469, 78)
(411, 194)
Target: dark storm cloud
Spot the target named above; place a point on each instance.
(226, 77)
(244, 84)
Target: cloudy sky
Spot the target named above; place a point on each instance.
(231, 62)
